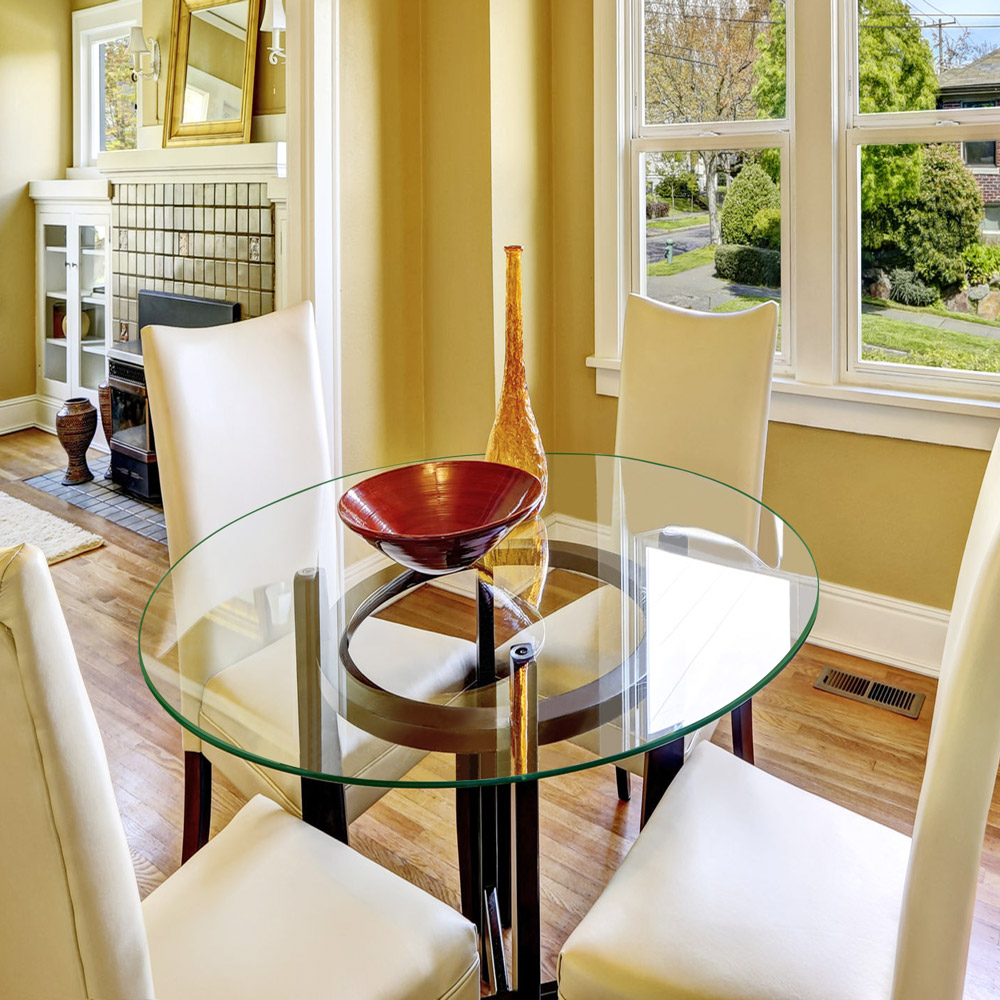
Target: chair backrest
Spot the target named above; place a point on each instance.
(696, 389)
(962, 760)
(238, 418)
(695, 393)
(70, 926)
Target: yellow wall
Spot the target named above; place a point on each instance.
(458, 317)
(36, 140)
(583, 420)
(381, 311)
(879, 514)
(521, 165)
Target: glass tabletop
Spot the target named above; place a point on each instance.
(641, 603)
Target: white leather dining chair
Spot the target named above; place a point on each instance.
(695, 393)
(741, 885)
(270, 908)
(238, 418)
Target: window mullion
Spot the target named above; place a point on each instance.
(814, 179)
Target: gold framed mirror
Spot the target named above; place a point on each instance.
(213, 51)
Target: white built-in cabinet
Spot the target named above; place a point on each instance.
(72, 287)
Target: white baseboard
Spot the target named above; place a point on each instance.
(18, 414)
(40, 412)
(892, 631)
(46, 409)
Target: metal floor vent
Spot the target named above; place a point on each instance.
(896, 699)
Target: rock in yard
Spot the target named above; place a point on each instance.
(959, 302)
(989, 308)
(878, 285)
(977, 292)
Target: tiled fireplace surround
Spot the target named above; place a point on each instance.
(215, 240)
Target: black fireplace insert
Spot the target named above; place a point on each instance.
(133, 449)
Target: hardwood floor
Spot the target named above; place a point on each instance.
(867, 759)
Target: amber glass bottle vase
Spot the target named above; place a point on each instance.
(514, 438)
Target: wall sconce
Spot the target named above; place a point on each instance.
(274, 21)
(137, 48)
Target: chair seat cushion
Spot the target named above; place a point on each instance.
(254, 704)
(743, 887)
(273, 908)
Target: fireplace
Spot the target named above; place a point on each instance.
(133, 448)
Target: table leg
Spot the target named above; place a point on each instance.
(468, 821)
(527, 895)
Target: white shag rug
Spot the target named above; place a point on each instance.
(58, 539)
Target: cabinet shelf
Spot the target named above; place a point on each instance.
(57, 295)
(57, 341)
(93, 251)
(94, 300)
(94, 347)
(56, 249)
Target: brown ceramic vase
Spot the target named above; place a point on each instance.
(76, 424)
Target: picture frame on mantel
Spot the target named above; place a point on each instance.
(210, 75)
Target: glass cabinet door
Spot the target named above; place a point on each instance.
(94, 314)
(55, 274)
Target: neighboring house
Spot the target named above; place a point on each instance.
(977, 85)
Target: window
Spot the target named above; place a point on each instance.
(860, 192)
(709, 143)
(105, 97)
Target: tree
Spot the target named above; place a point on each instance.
(960, 50)
(752, 191)
(119, 97)
(944, 217)
(699, 66)
(895, 73)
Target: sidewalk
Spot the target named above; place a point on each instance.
(700, 289)
(928, 319)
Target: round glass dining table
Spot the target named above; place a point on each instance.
(640, 604)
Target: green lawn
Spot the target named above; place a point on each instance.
(682, 262)
(682, 222)
(739, 302)
(914, 344)
(746, 302)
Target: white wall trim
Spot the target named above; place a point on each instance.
(18, 414)
(892, 631)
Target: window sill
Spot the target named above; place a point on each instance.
(911, 416)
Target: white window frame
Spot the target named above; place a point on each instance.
(819, 387)
(91, 27)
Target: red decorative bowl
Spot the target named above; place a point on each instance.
(437, 517)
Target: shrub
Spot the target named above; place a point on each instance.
(981, 263)
(656, 208)
(766, 229)
(751, 191)
(909, 289)
(748, 265)
(944, 218)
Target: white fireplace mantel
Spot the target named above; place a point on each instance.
(251, 161)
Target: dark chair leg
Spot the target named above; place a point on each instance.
(197, 802)
(468, 818)
(624, 779)
(743, 731)
(662, 765)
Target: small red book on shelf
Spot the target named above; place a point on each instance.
(58, 318)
